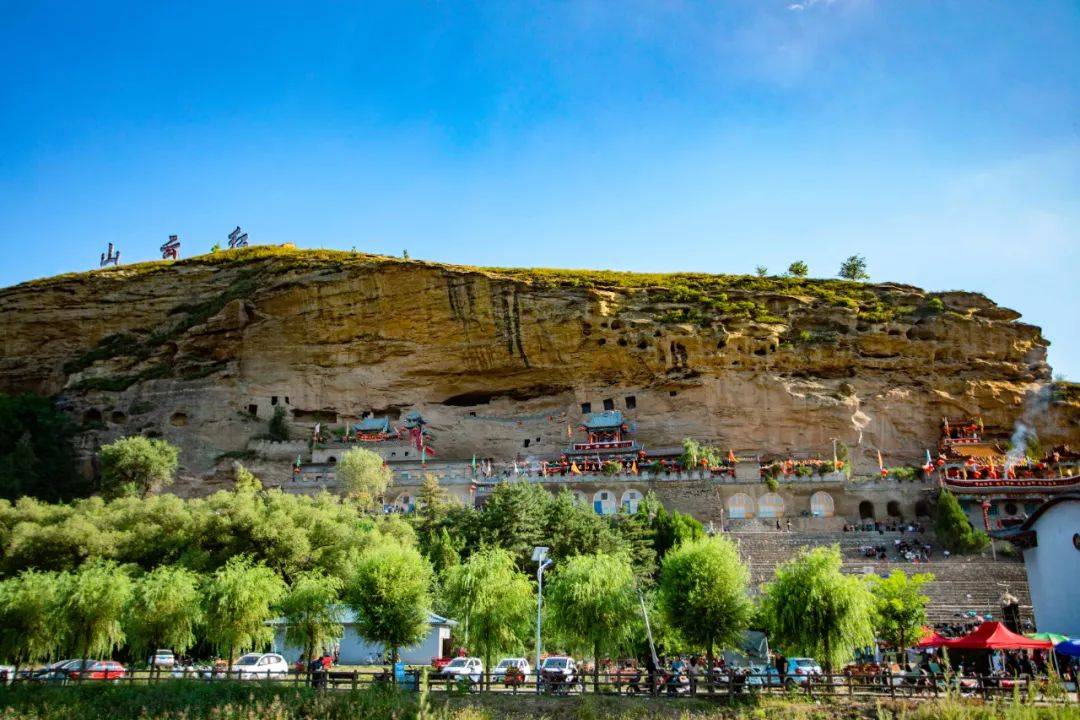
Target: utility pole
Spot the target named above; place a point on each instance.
(539, 556)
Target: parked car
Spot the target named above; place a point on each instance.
(56, 672)
(7, 674)
(558, 673)
(254, 666)
(463, 667)
(438, 663)
(513, 671)
(800, 669)
(97, 670)
(163, 659)
(763, 675)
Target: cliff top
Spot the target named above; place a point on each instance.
(725, 294)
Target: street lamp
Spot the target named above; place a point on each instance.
(539, 556)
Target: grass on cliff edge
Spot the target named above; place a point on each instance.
(181, 700)
(875, 302)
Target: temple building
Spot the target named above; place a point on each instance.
(998, 490)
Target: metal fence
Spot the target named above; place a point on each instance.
(719, 685)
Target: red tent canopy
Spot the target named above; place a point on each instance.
(995, 636)
(932, 640)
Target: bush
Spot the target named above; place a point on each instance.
(279, 426)
(953, 529)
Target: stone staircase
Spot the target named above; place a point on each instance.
(960, 583)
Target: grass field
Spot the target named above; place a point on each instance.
(238, 701)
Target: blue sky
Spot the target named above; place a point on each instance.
(939, 139)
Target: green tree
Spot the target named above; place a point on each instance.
(92, 602)
(166, 610)
(240, 597)
(673, 528)
(514, 518)
(899, 607)
(37, 457)
(811, 608)
(798, 269)
(572, 528)
(593, 603)
(639, 537)
(492, 601)
(703, 592)
(312, 612)
(761, 271)
(137, 465)
(443, 550)
(278, 427)
(28, 632)
(953, 528)
(390, 594)
(244, 480)
(854, 268)
(431, 504)
(364, 475)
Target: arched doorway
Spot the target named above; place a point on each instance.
(866, 510)
(893, 509)
(740, 506)
(604, 502)
(770, 505)
(922, 509)
(630, 500)
(821, 505)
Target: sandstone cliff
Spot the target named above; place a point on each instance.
(189, 350)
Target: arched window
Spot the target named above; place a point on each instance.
(331, 461)
(893, 509)
(922, 509)
(604, 502)
(630, 500)
(866, 510)
(770, 505)
(821, 505)
(740, 506)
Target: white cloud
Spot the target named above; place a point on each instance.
(807, 4)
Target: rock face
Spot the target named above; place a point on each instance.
(500, 362)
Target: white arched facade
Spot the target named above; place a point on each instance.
(770, 505)
(821, 505)
(630, 501)
(604, 502)
(740, 506)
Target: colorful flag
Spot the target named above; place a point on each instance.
(574, 469)
(633, 468)
(731, 455)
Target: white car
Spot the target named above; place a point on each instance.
(254, 666)
(163, 659)
(464, 667)
(506, 663)
(558, 673)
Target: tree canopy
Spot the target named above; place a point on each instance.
(953, 528)
(492, 601)
(92, 603)
(798, 269)
(593, 604)
(37, 457)
(811, 608)
(854, 268)
(313, 612)
(28, 629)
(166, 610)
(364, 475)
(390, 594)
(899, 607)
(240, 597)
(703, 592)
(137, 465)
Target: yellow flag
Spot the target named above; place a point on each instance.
(574, 469)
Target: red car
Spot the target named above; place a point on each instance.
(98, 670)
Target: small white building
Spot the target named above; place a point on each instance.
(1050, 540)
(355, 650)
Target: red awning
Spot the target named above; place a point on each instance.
(932, 640)
(995, 636)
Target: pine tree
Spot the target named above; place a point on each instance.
(953, 529)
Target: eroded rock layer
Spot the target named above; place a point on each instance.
(200, 351)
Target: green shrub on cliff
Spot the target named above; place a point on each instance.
(953, 529)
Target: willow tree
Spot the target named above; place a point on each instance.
(91, 603)
(703, 593)
(240, 597)
(312, 612)
(593, 604)
(137, 465)
(492, 601)
(899, 607)
(390, 594)
(166, 610)
(28, 631)
(812, 608)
